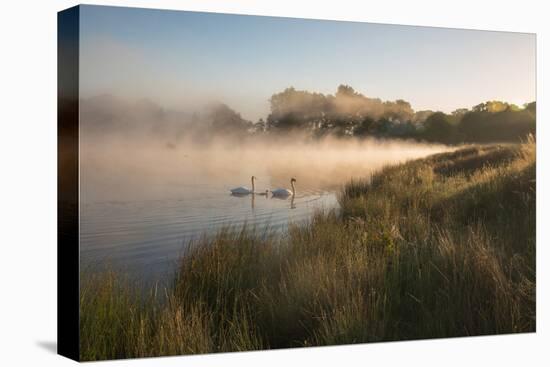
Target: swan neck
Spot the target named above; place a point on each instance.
(293, 188)
(253, 189)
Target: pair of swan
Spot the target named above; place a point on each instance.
(281, 192)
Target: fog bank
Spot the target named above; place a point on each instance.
(149, 169)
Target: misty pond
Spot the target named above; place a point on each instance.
(142, 203)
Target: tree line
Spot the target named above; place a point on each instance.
(349, 113)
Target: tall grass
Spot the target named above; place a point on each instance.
(437, 247)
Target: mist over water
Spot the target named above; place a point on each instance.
(152, 180)
(138, 170)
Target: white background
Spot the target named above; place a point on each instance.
(28, 183)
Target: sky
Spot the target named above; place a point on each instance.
(186, 60)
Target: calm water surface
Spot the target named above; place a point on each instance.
(145, 237)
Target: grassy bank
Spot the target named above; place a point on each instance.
(437, 247)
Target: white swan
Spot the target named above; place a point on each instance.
(243, 190)
(285, 192)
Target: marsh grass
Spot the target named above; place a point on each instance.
(437, 247)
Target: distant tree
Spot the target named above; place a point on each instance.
(224, 120)
(506, 124)
(294, 109)
(351, 105)
(346, 90)
(288, 121)
(491, 106)
(400, 111)
(365, 127)
(382, 127)
(459, 113)
(439, 127)
(420, 116)
(404, 130)
(531, 107)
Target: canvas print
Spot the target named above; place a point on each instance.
(251, 183)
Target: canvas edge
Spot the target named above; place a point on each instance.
(68, 44)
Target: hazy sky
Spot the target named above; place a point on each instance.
(186, 59)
